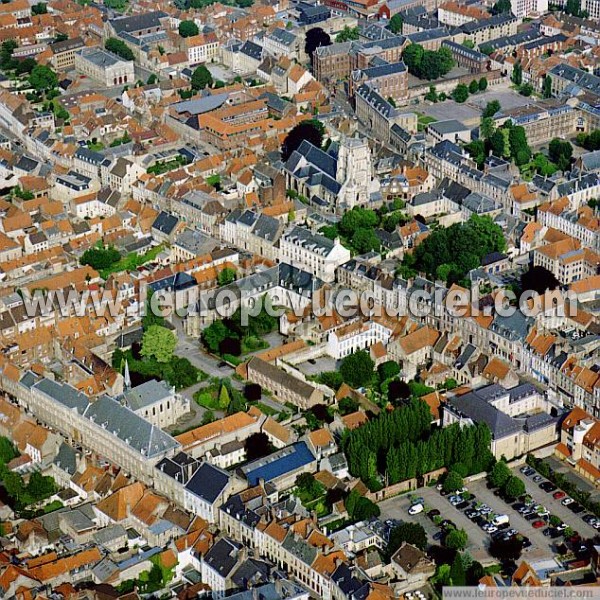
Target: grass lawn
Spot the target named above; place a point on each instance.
(252, 343)
(96, 147)
(207, 398)
(132, 261)
(423, 121)
(266, 410)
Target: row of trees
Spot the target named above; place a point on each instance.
(401, 444)
(460, 93)
(449, 253)
(427, 64)
(590, 141)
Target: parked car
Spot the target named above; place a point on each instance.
(462, 505)
(447, 524)
(576, 508)
(524, 468)
(415, 509)
(589, 519)
(558, 495)
(438, 535)
(561, 527)
(500, 520)
(532, 517)
(548, 487)
(490, 528)
(484, 509)
(529, 472)
(567, 501)
(538, 478)
(433, 513)
(471, 513)
(539, 523)
(518, 506)
(526, 542)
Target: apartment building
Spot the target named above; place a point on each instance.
(201, 48)
(580, 443)
(471, 59)
(456, 14)
(63, 53)
(104, 67)
(105, 426)
(528, 8)
(492, 28)
(333, 62)
(567, 260)
(311, 252)
(581, 224)
(391, 81)
(542, 120)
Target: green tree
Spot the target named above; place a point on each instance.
(224, 398)
(456, 539)
(215, 334)
(431, 95)
(483, 84)
(25, 66)
(514, 487)
(457, 572)
(348, 405)
(188, 29)
(158, 343)
(41, 8)
(61, 37)
(547, 87)
(43, 78)
(40, 487)
(499, 143)
(452, 482)
(388, 370)
(360, 508)
(347, 34)
(412, 533)
(119, 47)
(460, 93)
(517, 74)
(519, 149)
(8, 451)
(208, 417)
(152, 79)
(226, 276)
(491, 109)
(476, 150)
(365, 240)
(311, 130)
(486, 128)
(201, 78)
(501, 7)
(560, 152)
(499, 475)
(395, 24)
(357, 369)
(526, 89)
(474, 87)
(468, 43)
(100, 258)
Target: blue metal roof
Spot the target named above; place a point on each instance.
(288, 459)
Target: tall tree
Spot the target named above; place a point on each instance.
(188, 29)
(312, 131)
(457, 572)
(357, 369)
(395, 24)
(201, 78)
(517, 74)
(547, 87)
(315, 38)
(159, 343)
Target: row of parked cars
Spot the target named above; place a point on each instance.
(495, 524)
(570, 503)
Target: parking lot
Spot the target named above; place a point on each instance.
(542, 546)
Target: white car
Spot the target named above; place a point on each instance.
(567, 501)
(415, 509)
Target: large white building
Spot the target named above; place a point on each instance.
(104, 67)
(311, 252)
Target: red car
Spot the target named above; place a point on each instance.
(558, 495)
(537, 524)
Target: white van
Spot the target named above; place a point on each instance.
(415, 509)
(500, 520)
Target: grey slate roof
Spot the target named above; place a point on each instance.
(208, 482)
(146, 394)
(148, 20)
(223, 556)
